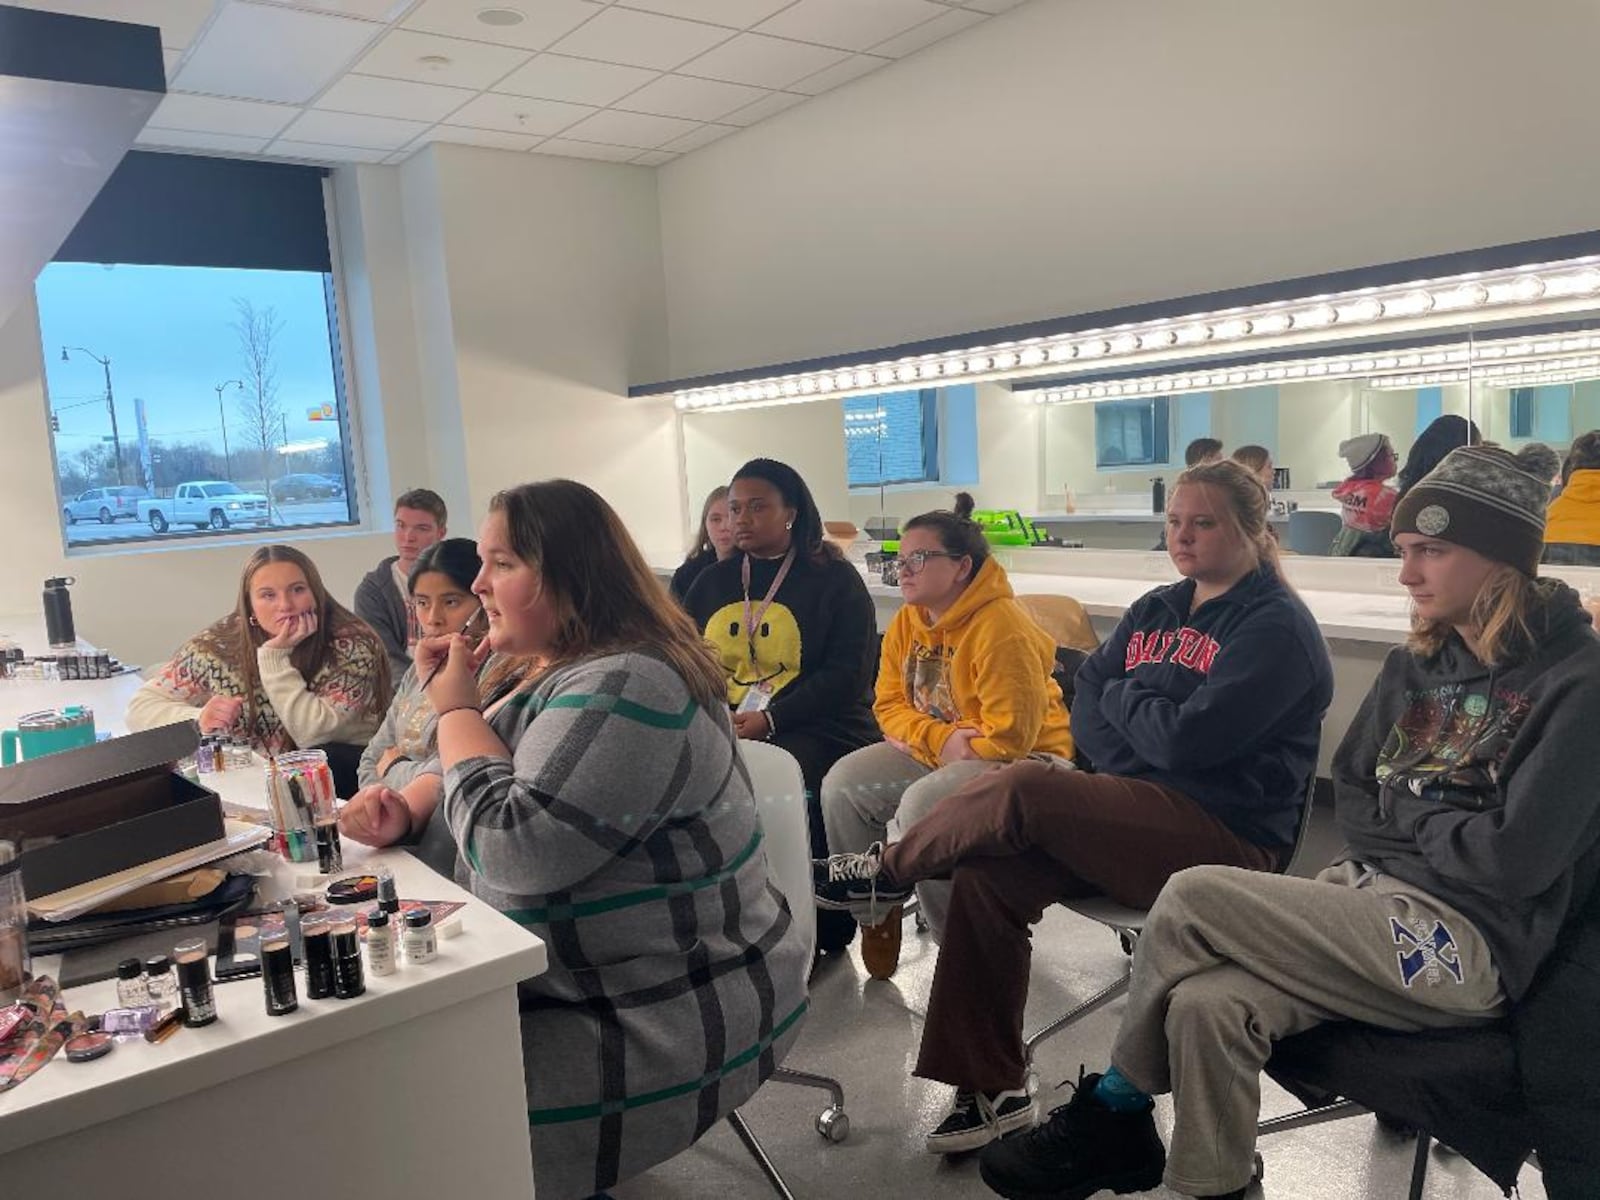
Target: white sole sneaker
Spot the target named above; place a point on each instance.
(975, 1137)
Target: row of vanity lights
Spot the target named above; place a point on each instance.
(1541, 290)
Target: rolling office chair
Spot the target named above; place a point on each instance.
(1063, 618)
(1312, 532)
(780, 803)
(1127, 924)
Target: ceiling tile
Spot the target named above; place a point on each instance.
(576, 80)
(763, 61)
(212, 114)
(654, 158)
(352, 129)
(178, 20)
(371, 10)
(630, 129)
(737, 14)
(493, 139)
(774, 104)
(265, 53)
(518, 114)
(188, 139)
(546, 20)
(849, 24)
(379, 97)
(640, 39)
(851, 68)
(695, 99)
(317, 152)
(993, 6)
(703, 136)
(928, 33)
(465, 64)
(568, 149)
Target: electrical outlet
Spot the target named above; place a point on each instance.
(1389, 578)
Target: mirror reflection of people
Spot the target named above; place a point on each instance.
(1366, 500)
(598, 800)
(713, 543)
(795, 629)
(1572, 535)
(290, 668)
(1258, 461)
(1464, 794)
(400, 776)
(1443, 434)
(1540, 461)
(1197, 453)
(964, 683)
(1201, 713)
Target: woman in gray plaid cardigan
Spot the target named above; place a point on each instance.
(599, 800)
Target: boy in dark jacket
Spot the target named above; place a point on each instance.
(1465, 792)
(383, 597)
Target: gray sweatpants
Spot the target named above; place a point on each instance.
(1231, 960)
(867, 787)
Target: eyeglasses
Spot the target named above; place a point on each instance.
(910, 564)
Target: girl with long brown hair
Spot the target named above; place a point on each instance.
(599, 799)
(289, 668)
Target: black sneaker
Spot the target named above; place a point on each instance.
(979, 1119)
(856, 883)
(1083, 1148)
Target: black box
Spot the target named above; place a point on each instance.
(91, 812)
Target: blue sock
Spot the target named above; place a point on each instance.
(1117, 1094)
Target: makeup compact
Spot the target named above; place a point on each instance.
(353, 889)
(86, 1047)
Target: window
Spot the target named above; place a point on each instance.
(892, 438)
(1130, 432)
(1524, 410)
(193, 369)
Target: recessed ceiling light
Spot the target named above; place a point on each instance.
(434, 61)
(501, 17)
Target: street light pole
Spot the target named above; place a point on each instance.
(111, 406)
(220, 388)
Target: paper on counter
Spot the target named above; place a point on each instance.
(75, 901)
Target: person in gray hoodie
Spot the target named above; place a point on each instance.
(1464, 790)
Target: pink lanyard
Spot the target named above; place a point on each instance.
(751, 619)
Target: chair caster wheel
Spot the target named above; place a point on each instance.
(921, 923)
(1258, 1170)
(833, 1124)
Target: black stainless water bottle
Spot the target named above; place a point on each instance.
(61, 632)
(1158, 495)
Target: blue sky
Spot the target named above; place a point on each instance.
(167, 333)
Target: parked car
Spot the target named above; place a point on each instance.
(209, 503)
(104, 504)
(306, 487)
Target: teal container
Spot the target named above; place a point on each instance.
(48, 732)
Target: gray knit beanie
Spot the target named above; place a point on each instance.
(1481, 498)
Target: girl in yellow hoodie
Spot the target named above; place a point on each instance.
(1572, 530)
(963, 684)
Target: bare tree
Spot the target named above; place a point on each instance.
(257, 331)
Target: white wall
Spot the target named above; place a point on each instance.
(1073, 155)
(809, 437)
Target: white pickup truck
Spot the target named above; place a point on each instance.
(210, 503)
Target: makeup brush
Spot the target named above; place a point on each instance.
(466, 631)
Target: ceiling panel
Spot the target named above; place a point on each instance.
(178, 20)
(352, 129)
(653, 158)
(928, 33)
(215, 115)
(519, 114)
(825, 80)
(703, 136)
(492, 138)
(773, 104)
(993, 6)
(569, 149)
(639, 130)
(451, 62)
(369, 10)
(736, 14)
(849, 24)
(695, 99)
(763, 61)
(576, 80)
(376, 96)
(189, 139)
(544, 20)
(317, 152)
(641, 39)
(265, 53)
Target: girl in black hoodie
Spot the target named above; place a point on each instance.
(1465, 792)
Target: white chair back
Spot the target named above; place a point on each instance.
(780, 792)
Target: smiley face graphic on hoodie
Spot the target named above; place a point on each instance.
(777, 652)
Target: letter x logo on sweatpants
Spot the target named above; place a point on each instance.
(1423, 951)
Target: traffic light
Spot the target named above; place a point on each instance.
(55, 422)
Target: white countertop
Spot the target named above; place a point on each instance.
(490, 953)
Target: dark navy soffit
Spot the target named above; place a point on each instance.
(66, 49)
(1443, 337)
(1490, 258)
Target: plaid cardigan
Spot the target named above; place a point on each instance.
(623, 833)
